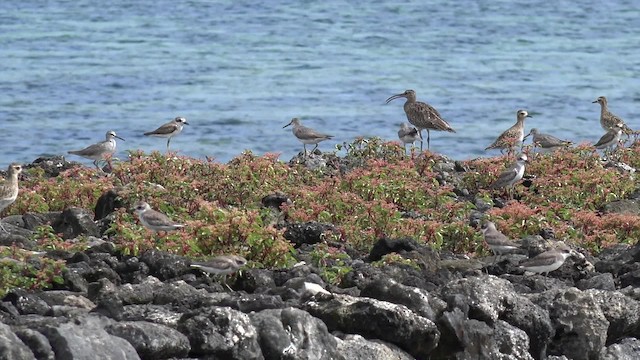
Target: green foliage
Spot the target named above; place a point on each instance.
(331, 262)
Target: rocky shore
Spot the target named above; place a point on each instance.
(109, 304)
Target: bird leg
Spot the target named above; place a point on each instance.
(314, 148)
(168, 141)
(304, 146)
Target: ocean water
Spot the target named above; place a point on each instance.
(240, 70)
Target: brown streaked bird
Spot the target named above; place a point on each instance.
(9, 188)
(545, 141)
(99, 151)
(513, 135)
(154, 220)
(609, 120)
(611, 138)
(422, 115)
(307, 135)
(548, 261)
(221, 265)
(511, 175)
(169, 130)
(408, 135)
(498, 242)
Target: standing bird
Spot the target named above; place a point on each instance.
(422, 115)
(547, 261)
(100, 151)
(511, 175)
(513, 135)
(169, 130)
(154, 220)
(609, 120)
(611, 138)
(306, 135)
(408, 135)
(545, 141)
(9, 188)
(221, 265)
(498, 242)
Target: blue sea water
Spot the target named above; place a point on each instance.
(240, 70)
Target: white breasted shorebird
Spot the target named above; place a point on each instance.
(99, 151)
(513, 136)
(547, 142)
(498, 242)
(154, 220)
(611, 138)
(169, 130)
(221, 265)
(306, 135)
(9, 188)
(422, 115)
(511, 175)
(609, 120)
(408, 135)
(547, 261)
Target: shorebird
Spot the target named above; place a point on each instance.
(511, 175)
(154, 220)
(99, 151)
(9, 188)
(609, 120)
(422, 115)
(611, 138)
(498, 242)
(307, 135)
(169, 130)
(221, 265)
(545, 141)
(513, 135)
(408, 135)
(547, 261)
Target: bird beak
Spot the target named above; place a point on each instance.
(186, 123)
(593, 102)
(288, 124)
(394, 97)
(528, 115)
(119, 138)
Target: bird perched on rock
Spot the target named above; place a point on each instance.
(498, 242)
(307, 135)
(169, 130)
(547, 261)
(422, 115)
(9, 188)
(547, 142)
(154, 220)
(221, 265)
(514, 135)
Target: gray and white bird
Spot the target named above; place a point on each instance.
(99, 151)
(154, 220)
(169, 130)
(547, 261)
(408, 135)
(609, 120)
(546, 142)
(611, 138)
(221, 265)
(422, 115)
(512, 174)
(513, 136)
(498, 242)
(307, 135)
(9, 188)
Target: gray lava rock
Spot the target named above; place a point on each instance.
(37, 343)
(418, 300)
(627, 349)
(377, 319)
(603, 281)
(34, 220)
(26, 302)
(107, 203)
(307, 233)
(221, 333)
(151, 341)
(622, 312)
(386, 246)
(165, 266)
(355, 347)
(157, 314)
(11, 347)
(293, 334)
(74, 222)
(53, 165)
(624, 206)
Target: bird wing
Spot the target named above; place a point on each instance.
(546, 258)
(507, 139)
(606, 138)
(90, 150)
(219, 263)
(427, 116)
(505, 178)
(165, 129)
(498, 238)
(547, 141)
(407, 131)
(305, 133)
(156, 218)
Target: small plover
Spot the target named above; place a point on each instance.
(9, 188)
(513, 136)
(498, 242)
(546, 142)
(169, 130)
(609, 120)
(511, 175)
(154, 220)
(422, 115)
(306, 135)
(547, 261)
(408, 135)
(611, 138)
(221, 265)
(99, 151)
